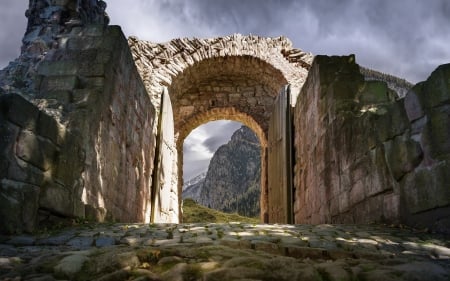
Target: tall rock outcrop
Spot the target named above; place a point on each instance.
(232, 183)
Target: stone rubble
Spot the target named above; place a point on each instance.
(228, 251)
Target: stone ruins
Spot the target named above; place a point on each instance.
(92, 126)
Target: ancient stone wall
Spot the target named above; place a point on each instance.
(425, 191)
(359, 158)
(34, 156)
(117, 122)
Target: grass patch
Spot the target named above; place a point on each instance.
(194, 213)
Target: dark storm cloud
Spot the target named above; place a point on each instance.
(407, 38)
(12, 28)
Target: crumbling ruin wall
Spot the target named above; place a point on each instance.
(425, 191)
(362, 157)
(77, 124)
(116, 119)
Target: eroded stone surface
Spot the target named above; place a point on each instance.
(242, 251)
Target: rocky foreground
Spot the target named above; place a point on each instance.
(231, 251)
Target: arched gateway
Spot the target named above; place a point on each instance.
(235, 77)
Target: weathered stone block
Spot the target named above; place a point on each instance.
(70, 162)
(36, 151)
(58, 68)
(49, 128)
(436, 135)
(19, 111)
(402, 155)
(94, 82)
(413, 106)
(92, 69)
(390, 121)
(57, 199)
(84, 97)
(62, 97)
(94, 30)
(83, 43)
(436, 90)
(55, 83)
(19, 205)
(427, 189)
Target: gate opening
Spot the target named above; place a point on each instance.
(222, 171)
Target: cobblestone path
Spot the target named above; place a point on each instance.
(231, 251)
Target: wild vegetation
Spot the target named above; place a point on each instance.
(193, 213)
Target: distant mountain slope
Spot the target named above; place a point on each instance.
(192, 188)
(232, 183)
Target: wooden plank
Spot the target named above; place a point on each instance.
(280, 160)
(162, 209)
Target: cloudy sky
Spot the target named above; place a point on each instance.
(407, 38)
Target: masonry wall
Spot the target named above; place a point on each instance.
(82, 144)
(116, 119)
(32, 146)
(361, 157)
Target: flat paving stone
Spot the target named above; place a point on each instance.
(226, 252)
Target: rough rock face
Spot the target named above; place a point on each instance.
(364, 155)
(232, 183)
(193, 187)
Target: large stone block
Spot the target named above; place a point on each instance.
(58, 68)
(436, 90)
(19, 111)
(426, 189)
(70, 162)
(49, 128)
(436, 135)
(402, 155)
(59, 83)
(413, 106)
(19, 205)
(37, 151)
(83, 43)
(57, 199)
(390, 120)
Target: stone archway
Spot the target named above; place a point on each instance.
(235, 77)
(228, 113)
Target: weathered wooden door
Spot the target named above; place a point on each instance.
(280, 160)
(164, 191)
